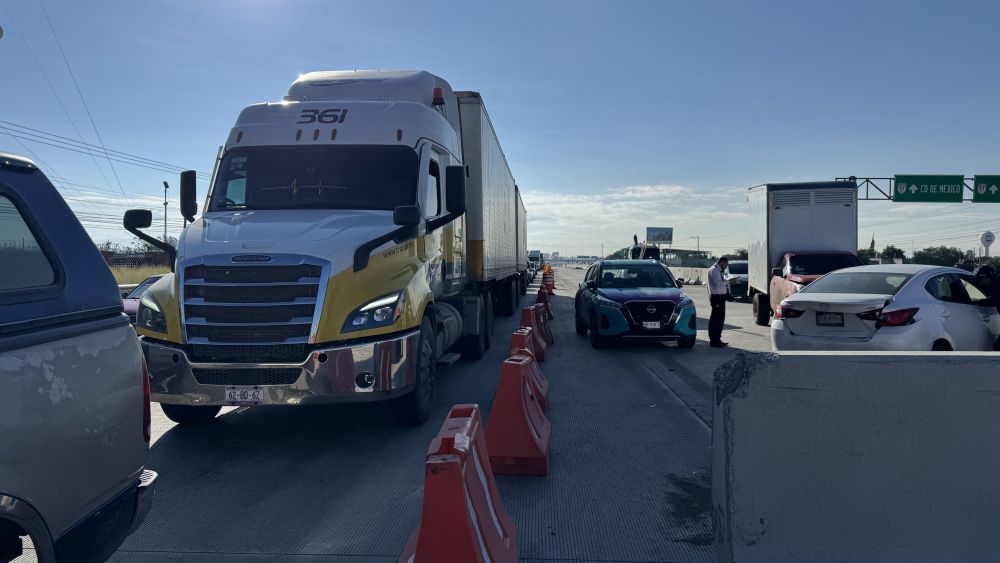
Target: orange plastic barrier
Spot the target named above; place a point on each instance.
(522, 339)
(529, 319)
(543, 298)
(543, 324)
(549, 281)
(539, 383)
(518, 432)
(463, 518)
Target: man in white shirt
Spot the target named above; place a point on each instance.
(718, 290)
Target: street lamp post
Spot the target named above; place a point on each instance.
(165, 188)
(699, 245)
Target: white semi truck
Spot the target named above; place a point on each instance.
(356, 235)
(798, 232)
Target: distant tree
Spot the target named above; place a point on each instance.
(143, 246)
(866, 254)
(739, 254)
(939, 256)
(891, 253)
(109, 247)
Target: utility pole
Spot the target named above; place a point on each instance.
(165, 188)
(699, 246)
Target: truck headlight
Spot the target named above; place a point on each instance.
(150, 315)
(381, 312)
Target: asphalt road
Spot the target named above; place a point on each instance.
(629, 461)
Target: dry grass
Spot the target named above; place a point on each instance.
(126, 275)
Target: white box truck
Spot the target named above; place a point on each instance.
(798, 232)
(356, 234)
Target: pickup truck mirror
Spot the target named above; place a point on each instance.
(189, 195)
(776, 272)
(454, 177)
(406, 216)
(137, 219)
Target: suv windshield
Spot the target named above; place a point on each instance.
(324, 177)
(737, 267)
(820, 264)
(633, 276)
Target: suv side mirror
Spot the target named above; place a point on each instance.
(454, 177)
(591, 284)
(406, 216)
(680, 281)
(137, 219)
(776, 272)
(189, 195)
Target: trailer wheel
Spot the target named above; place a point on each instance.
(190, 414)
(523, 282)
(761, 309)
(415, 408)
(508, 298)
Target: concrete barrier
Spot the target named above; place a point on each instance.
(691, 275)
(857, 457)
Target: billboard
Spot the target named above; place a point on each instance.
(660, 235)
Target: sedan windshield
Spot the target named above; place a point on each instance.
(819, 264)
(316, 177)
(644, 275)
(877, 283)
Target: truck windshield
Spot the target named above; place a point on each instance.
(819, 264)
(316, 177)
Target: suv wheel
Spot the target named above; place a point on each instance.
(686, 341)
(581, 326)
(190, 414)
(596, 339)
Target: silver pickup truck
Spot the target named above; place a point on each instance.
(74, 393)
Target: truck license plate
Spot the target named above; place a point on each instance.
(244, 394)
(651, 324)
(830, 319)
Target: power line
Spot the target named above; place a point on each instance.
(82, 99)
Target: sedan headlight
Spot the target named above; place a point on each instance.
(150, 315)
(381, 312)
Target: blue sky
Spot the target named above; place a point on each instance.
(613, 116)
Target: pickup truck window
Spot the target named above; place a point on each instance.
(819, 264)
(316, 177)
(25, 264)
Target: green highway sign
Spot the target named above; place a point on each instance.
(940, 189)
(986, 188)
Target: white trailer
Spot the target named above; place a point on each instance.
(799, 218)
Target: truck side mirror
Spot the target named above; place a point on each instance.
(454, 177)
(189, 195)
(776, 272)
(137, 219)
(406, 216)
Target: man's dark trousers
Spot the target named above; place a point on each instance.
(718, 317)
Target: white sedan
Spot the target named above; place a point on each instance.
(907, 307)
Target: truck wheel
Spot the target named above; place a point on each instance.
(190, 414)
(415, 408)
(686, 341)
(489, 321)
(474, 346)
(761, 309)
(507, 298)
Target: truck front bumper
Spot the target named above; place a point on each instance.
(368, 371)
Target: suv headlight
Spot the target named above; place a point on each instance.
(685, 303)
(381, 312)
(150, 315)
(605, 302)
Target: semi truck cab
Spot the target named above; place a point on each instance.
(331, 261)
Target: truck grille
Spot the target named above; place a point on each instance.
(263, 376)
(639, 311)
(250, 313)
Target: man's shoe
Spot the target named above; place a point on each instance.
(719, 344)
